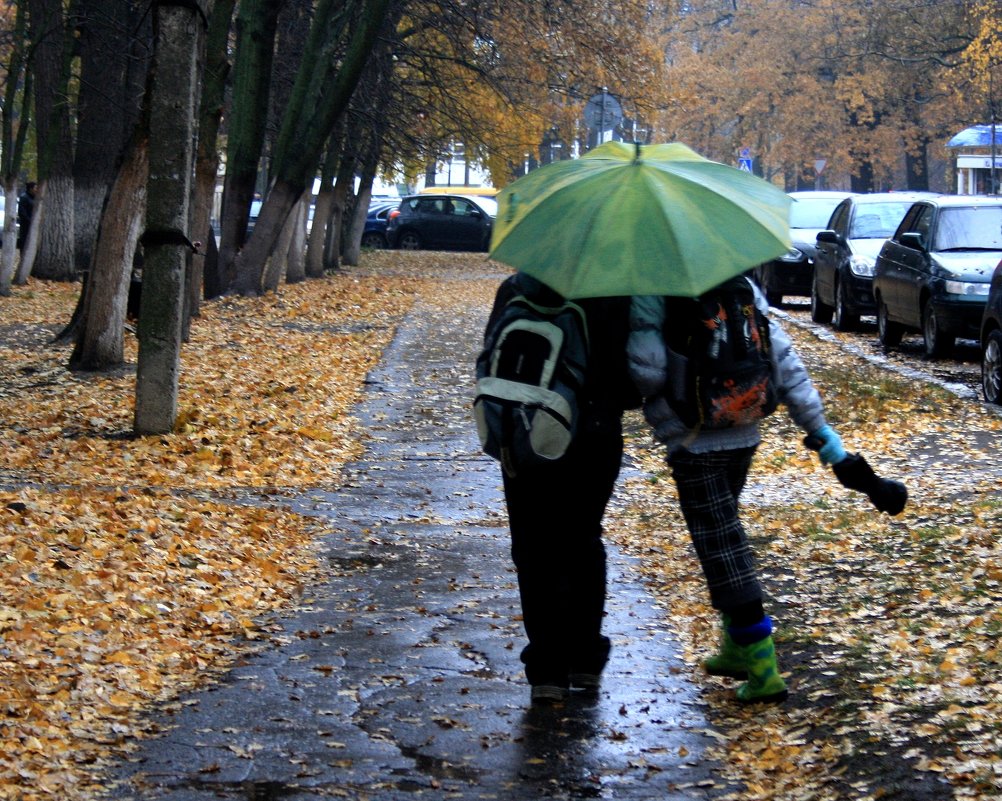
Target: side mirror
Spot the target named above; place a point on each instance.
(829, 238)
(476, 213)
(913, 241)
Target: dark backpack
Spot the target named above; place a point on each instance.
(529, 378)
(719, 366)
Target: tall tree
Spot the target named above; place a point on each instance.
(341, 39)
(113, 57)
(52, 226)
(178, 31)
(257, 25)
(14, 116)
(211, 106)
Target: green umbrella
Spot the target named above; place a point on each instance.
(639, 220)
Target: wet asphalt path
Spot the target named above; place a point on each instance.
(399, 677)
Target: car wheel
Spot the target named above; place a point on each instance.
(409, 240)
(889, 333)
(821, 312)
(937, 343)
(843, 319)
(373, 240)
(991, 368)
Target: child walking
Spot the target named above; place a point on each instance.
(710, 467)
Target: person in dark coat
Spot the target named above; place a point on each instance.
(25, 211)
(555, 514)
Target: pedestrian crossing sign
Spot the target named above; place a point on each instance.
(745, 164)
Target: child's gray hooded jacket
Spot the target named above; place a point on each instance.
(648, 362)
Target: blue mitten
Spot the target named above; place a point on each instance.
(830, 450)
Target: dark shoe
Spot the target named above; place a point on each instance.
(549, 693)
(589, 682)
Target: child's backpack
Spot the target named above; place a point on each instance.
(719, 366)
(529, 377)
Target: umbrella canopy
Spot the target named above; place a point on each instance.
(639, 220)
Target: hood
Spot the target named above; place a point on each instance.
(866, 247)
(976, 265)
(805, 240)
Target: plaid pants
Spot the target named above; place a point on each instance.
(708, 488)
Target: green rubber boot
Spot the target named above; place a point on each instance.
(764, 684)
(729, 659)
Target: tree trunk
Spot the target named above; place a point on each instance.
(256, 28)
(111, 85)
(917, 167)
(172, 117)
(323, 89)
(356, 226)
(15, 115)
(278, 263)
(100, 339)
(211, 106)
(324, 208)
(295, 263)
(9, 240)
(54, 230)
(344, 190)
(29, 248)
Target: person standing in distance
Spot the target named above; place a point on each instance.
(25, 211)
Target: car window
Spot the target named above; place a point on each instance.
(970, 228)
(430, 205)
(877, 220)
(462, 207)
(923, 222)
(413, 204)
(811, 212)
(840, 217)
(488, 205)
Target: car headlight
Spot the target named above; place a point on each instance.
(861, 265)
(966, 288)
(793, 254)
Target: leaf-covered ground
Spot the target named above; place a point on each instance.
(122, 583)
(125, 578)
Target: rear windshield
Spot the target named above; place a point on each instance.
(878, 220)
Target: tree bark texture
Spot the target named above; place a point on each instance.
(172, 126)
(54, 256)
(295, 267)
(256, 28)
(112, 76)
(100, 340)
(324, 207)
(323, 90)
(211, 106)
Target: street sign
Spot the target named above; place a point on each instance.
(745, 164)
(603, 112)
(745, 153)
(819, 165)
